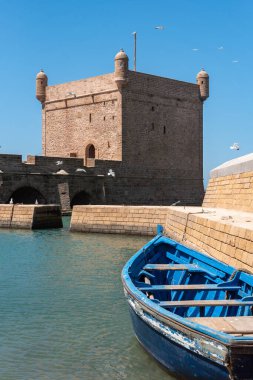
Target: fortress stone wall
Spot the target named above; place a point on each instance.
(121, 138)
(49, 180)
(220, 228)
(165, 117)
(147, 129)
(91, 116)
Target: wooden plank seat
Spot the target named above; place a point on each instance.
(200, 287)
(192, 303)
(175, 259)
(229, 325)
(176, 267)
(192, 267)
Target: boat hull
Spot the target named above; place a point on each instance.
(185, 364)
(169, 288)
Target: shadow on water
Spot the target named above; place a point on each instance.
(63, 313)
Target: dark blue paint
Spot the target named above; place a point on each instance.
(224, 282)
(181, 362)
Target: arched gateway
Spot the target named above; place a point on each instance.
(27, 195)
(81, 198)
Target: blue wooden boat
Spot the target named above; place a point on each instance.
(191, 312)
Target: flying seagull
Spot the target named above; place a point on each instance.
(111, 173)
(195, 49)
(160, 27)
(175, 203)
(235, 146)
(235, 61)
(220, 48)
(59, 163)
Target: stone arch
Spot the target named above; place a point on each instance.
(27, 195)
(80, 198)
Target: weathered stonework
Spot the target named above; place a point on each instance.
(148, 129)
(49, 180)
(30, 216)
(223, 234)
(134, 220)
(231, 185)
(92, 116)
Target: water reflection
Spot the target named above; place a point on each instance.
(63, 313)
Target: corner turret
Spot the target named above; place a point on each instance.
(41, 84)
(121, 68)
(203, 82)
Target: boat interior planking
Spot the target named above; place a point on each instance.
(196, 302)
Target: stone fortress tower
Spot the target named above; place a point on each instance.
(203, 82)
(121, 68)
(41, 84)
(147, 129)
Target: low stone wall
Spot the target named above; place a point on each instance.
(30, 216)
(231, 185)
(137, 220)
(224, 234)
(232, 192)
(6, 213)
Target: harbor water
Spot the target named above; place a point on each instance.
(62, 309)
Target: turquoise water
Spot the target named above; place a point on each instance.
(62, 308)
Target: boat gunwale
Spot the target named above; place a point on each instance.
(166, 316)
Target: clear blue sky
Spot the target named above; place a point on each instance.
(77, 39)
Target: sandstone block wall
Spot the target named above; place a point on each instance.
(30, 216)
(6, 212)
(232, 192)
(165, 115)
(220, 233)
(22, 216)
(91, 116)
(136, 220)
(151, 128)
(229, 240)
(231, 185)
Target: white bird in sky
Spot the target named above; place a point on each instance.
(235, 146)
(220, 48)
(59, 163)
(195, 49)
(160, 27)
(235, 61)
